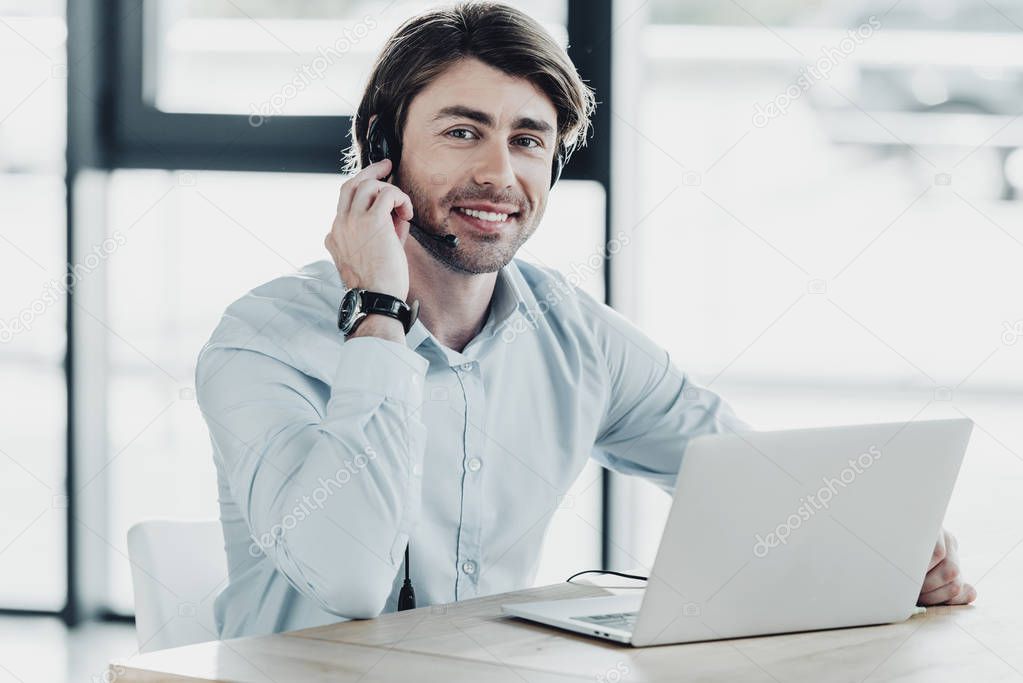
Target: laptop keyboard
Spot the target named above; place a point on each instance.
(620, 620)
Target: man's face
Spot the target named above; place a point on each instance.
(476, 137)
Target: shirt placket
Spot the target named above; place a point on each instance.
(467, 567)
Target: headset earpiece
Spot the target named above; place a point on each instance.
(558, 165)
(380, 144)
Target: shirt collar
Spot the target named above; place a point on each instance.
(512, 297)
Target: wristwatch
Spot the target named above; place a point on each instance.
(357, 303)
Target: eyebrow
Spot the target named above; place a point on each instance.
(459, 111)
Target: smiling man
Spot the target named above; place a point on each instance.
(443, 410)
(476, 156)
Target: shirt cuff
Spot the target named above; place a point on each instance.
(381, 366)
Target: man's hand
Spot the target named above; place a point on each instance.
(366, 241)
(943, 584)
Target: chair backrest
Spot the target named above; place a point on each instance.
(177, 569)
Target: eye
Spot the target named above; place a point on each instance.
(536, 143)
(460, 130)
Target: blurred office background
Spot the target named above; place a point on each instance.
(814, 206)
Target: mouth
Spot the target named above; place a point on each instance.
(485, 221)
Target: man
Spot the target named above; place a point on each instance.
(454, 434)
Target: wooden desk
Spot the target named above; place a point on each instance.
(472, 641)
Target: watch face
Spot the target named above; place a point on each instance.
(351, 304)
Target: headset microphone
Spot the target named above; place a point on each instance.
(449, 241)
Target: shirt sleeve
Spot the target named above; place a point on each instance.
(653, 408)
(329, 493)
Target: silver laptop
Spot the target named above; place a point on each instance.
(785, 531)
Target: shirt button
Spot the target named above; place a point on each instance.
(474, 464)
(466, 366)
(417, 469)
(469, 567)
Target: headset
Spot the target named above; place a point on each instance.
(382, 143)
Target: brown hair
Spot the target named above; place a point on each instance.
(498, 35)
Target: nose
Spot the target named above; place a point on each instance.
(493, 165)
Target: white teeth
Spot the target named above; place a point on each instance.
(485, 215)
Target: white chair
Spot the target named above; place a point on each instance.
(177, 569)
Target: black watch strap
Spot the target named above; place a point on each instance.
(376, 302)
(384, 304)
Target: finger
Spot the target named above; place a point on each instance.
(402, 208)
(941, 595)
(967, 595)
(401, 215)
(939, 552)
(365, 194)
(945, 573)
(392, 200)
(375, 171)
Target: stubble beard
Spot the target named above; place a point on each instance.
(475, 254)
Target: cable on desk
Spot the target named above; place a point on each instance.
(605, 571)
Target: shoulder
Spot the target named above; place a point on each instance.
(564, 305)
(550, 292)
(292, 318)
(572, 298)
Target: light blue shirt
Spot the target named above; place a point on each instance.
(331, 455)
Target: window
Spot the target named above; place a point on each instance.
(32, 306)
(837, 245)
(276, 59)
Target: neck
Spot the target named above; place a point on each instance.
(452, 305)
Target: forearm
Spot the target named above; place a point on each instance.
(327, 497)
(360, 490)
